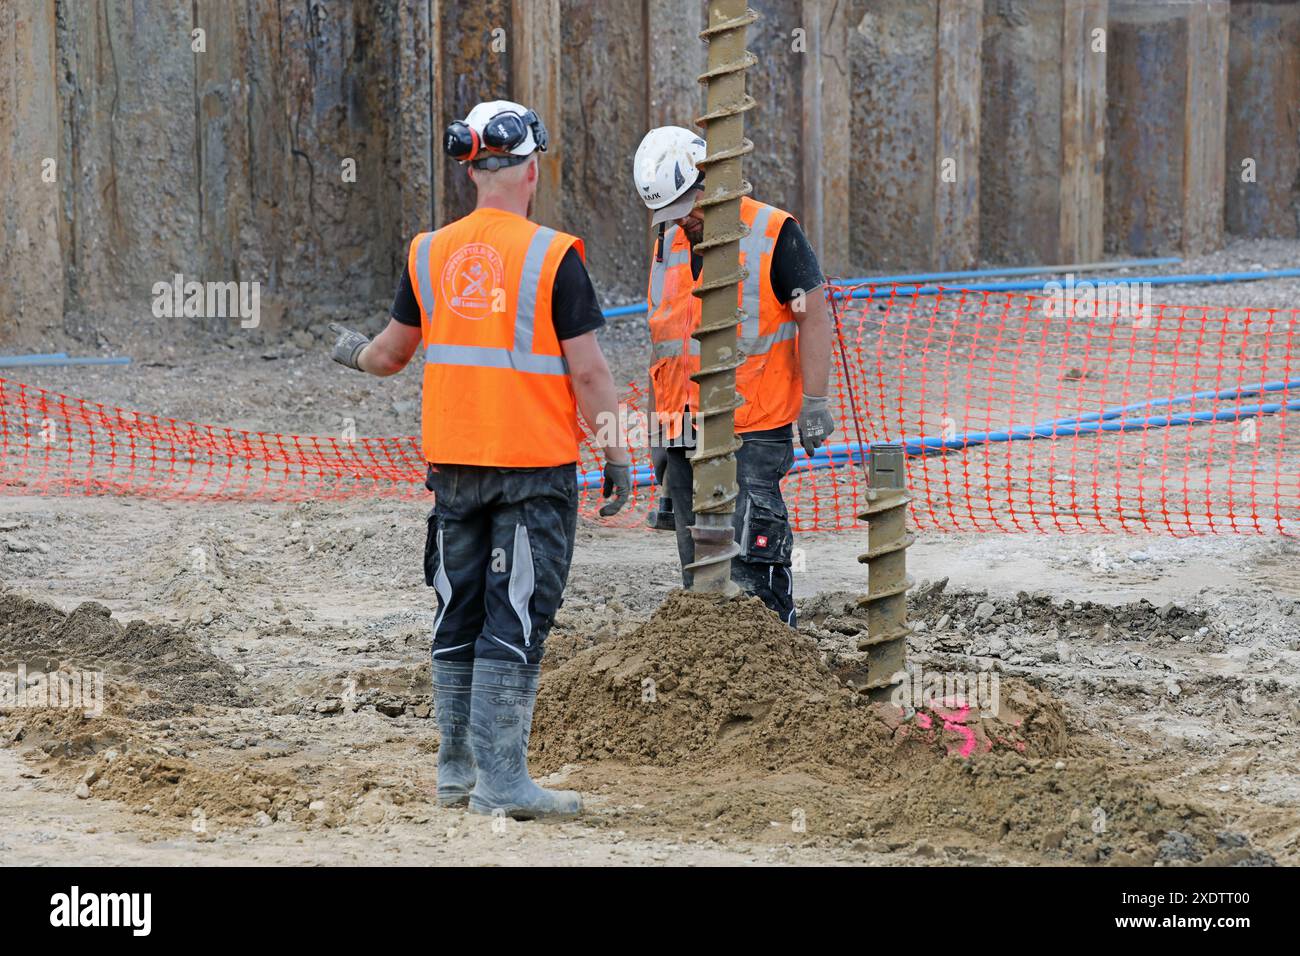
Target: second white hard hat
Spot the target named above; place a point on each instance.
(665, 171)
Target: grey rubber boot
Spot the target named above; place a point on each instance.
(452, 683)
(501, 719)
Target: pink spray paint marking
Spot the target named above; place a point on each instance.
(955, 721)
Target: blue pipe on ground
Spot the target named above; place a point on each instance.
(851, 452)
(29, 361)
(977, 273)
(1209, 278)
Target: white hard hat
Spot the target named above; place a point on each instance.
(665, 171)
(495, 131)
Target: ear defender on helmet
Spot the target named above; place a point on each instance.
(461, 142)
(504, 132)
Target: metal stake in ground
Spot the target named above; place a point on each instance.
(714, 462)
(886, 561)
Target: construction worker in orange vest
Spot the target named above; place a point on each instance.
(785, 338)
(506, 315)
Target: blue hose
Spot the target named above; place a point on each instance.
(841, 453)
(977, 273)
(1248, 391)
(28, 361)
(1204, 278)
(634, 309)
(1209, 278)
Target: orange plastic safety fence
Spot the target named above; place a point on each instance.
(1018, 413)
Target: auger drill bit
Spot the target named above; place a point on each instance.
(886, 561)
(714, 462)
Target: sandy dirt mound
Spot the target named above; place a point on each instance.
(169, 663)
(725, 682)
(1084, 811)
(739, 727)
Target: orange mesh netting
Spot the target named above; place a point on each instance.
(1018, 413)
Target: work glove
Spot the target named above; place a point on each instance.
(348, 347)
(815, 422)
(618, 484)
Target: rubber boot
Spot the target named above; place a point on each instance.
(660, 517)
(501, 719)
(452, 684)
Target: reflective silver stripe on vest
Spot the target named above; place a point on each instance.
(659, 270)
(422, 280)
(673, 349)
(787, 331)
(529, 279)
(484, 357)
(753, 246)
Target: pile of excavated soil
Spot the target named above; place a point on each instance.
(1084, 810)
(732, 723)
(174, 786)
(715, 682)
(113, 758)
(167, 662)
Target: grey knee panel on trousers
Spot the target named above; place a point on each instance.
(499, 546)
(762, 521)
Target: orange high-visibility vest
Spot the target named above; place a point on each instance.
(496, 386)
(769, 381)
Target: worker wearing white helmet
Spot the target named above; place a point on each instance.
(506, 317)
(784, 336)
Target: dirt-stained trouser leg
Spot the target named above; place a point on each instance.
(533, 522)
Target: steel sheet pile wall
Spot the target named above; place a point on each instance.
(905, 134)
(1263, 136)
(1043, 138)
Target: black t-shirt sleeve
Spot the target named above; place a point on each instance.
(406, 308)
(794, 264)
(574, 308)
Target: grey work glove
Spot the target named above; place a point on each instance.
(618, 483)
(815, 422)
(348, 347)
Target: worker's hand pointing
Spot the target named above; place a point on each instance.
(347, 350)
(815, 422)
(618, 483)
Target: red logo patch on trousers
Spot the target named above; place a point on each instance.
(760, 540)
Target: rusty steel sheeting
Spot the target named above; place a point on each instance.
(714, 461)
(1167, 71)
(886, 561)
(1264, 96)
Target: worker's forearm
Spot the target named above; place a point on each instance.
(598, 402)
(815, 344)
(378, 362)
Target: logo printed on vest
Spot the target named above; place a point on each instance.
(470, 280)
